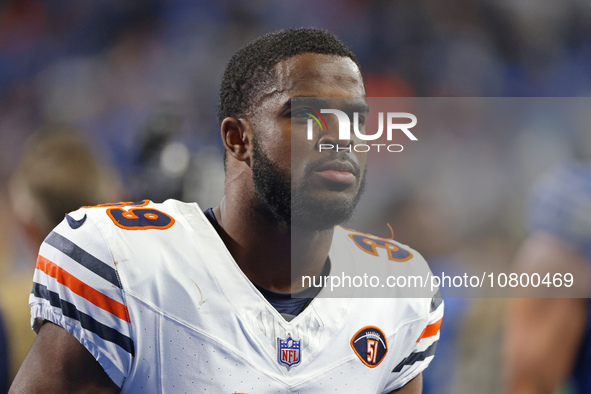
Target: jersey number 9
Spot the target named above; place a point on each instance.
(140, 218)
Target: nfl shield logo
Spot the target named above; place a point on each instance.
(288, 352)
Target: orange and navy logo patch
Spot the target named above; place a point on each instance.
(370, 345)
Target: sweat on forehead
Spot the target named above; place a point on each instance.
(250, 70)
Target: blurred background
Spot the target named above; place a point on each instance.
(127, 91)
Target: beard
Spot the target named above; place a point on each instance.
(295, 206)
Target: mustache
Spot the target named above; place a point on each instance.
(333, 156)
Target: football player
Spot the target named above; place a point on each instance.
(549, 339)
(146, 297)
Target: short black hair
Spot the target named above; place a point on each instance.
(251, 68)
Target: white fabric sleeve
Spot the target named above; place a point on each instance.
(76, 286)
(423, 352)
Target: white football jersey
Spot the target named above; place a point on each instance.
(155, 296)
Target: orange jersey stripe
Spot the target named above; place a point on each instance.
(82, 289)
(431, 329)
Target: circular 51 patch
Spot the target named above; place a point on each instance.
(370, 345)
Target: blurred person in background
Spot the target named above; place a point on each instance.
(548, 340)
(58, 172)
(4, 367)
(165, 167)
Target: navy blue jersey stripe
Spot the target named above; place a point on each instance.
(436, 301)
(82, 257)
(416, 357)
(68, 309)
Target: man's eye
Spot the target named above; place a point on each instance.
(301, 114)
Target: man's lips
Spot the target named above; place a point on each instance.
(338, 171)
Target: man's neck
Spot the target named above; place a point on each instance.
(271, 253)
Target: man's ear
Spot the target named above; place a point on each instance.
(237, 138)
